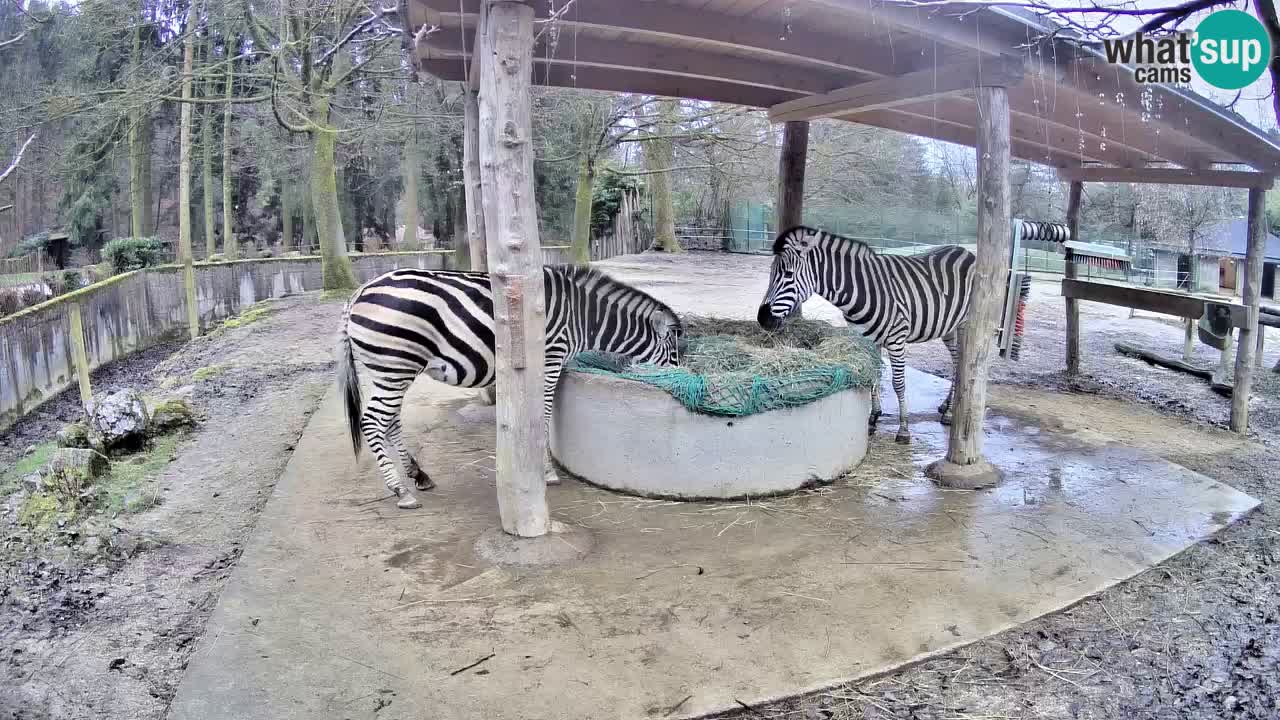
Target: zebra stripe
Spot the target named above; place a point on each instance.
(893, 300)
(440, 323)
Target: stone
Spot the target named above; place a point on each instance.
(171, 415)
(74, 435)
(118, 420)
(72, 471)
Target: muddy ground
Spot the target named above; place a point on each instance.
(106, 632)
(1197, 637)
(108, 636)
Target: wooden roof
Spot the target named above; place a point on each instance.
(804, 59)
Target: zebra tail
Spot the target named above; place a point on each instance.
(349, 384)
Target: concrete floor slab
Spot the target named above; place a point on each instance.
(345, 607)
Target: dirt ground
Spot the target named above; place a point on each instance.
(1198, 637)
(108, 634)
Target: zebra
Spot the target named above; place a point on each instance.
(892, 300)
(440, 323)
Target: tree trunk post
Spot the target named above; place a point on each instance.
(230, 247)
(515, 263)
(184, 176)
(286, 221)
(473, 196)
(335, 265)
(1252, 298)
(791, 164)
(1069, 271)
(410, 167)
(1188, 339)
(964, 465)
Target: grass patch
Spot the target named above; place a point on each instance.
(252, 315)
(128, 475)
(208, 372)
(42, 511)
(25, 466)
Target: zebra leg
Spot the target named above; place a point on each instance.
(420, 479)
(952, 342)
(898, 363)
(875, 407)
(379, 415)
(551, 376)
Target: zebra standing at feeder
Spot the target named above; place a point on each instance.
(892, 300)
(410, 322)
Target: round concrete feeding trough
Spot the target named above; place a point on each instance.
(633, 436)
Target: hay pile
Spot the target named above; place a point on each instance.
(735, 368)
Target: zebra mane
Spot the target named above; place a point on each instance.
(780, 243)
(596, 281)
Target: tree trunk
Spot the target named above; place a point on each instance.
(309, 242)
(410, 166)
(210, 236)
(658, 155)
(471, 182)
(964, 465)
(580, 249)
(1254, 258)
(184, 175)
(791, 166)
(286, 221)
(336, 266)
(515, 258)
(141, 221)
(230, 246)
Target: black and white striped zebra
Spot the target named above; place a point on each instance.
(439, 323)
(893, 300)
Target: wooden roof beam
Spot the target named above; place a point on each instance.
(961, 134)
(905, 89)
(659, 22)
(1170, 176)
(589, 51)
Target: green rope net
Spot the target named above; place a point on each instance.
(735, 368)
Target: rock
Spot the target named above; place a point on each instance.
(74, 435)
(169, 416)
(71, 472)
(128, 544)
(33, 482)
(118, 420)
(29, 450)
(91, 545)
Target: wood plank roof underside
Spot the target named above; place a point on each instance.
(1071, 108)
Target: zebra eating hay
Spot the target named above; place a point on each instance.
(440, 323)
(892, 300)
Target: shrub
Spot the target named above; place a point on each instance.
(14, 299)
(34, 244)
(132, 253)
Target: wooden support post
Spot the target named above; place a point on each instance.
(964, 465)
(1226, 359)
(473, 195)
(515, 263)
(1069, 271)
(1189, 340)
(1262, 346)
(79, 356)
(791, 164)
(1252, 298)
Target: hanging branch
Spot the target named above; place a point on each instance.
(12, 40)
(17, 158)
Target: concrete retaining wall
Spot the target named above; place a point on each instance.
(636, 438)
(137, 310)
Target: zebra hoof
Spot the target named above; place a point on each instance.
(408, 502)
(903, 438)
(551, 477)
(421, 480)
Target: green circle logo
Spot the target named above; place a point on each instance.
(1231, 49)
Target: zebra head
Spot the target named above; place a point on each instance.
(791, 279)
(623, 319)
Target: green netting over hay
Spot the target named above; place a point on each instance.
(735, 368)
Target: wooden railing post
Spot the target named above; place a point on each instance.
(79, 355)
(1252, 298)
(1069, 271)
(964, 465)
(515, 263)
